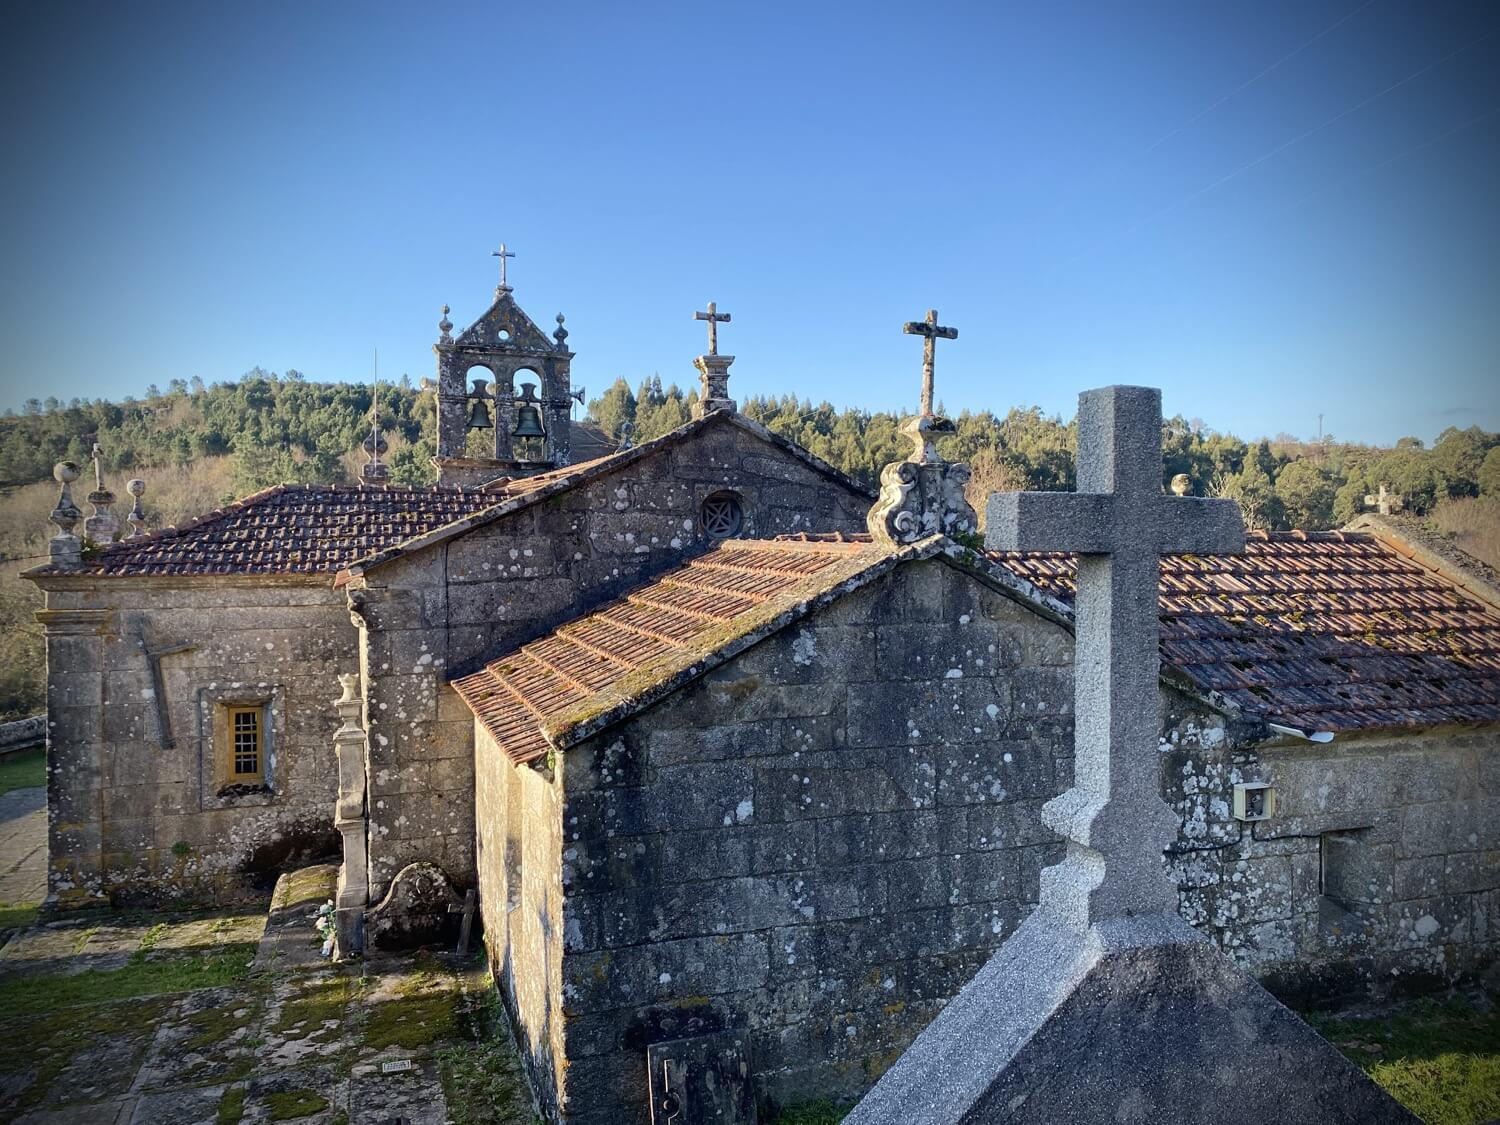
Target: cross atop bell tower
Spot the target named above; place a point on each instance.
(488, 380)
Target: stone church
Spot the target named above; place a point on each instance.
(744, 763)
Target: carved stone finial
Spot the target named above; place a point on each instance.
(924, 495)
(445, 326)
(713, 384)
(349, 682)
(1384, 501)
(561, 334)
(137, 516)
(627, 436)
(64, 547)
(102, 526)
(1181, 483)
(374, 471)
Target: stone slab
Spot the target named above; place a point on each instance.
(1133, 1022)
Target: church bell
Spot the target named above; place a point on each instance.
(479, 416)
(528, 417)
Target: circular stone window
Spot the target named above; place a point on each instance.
(722, 515)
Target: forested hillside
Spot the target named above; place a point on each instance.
(198, 445)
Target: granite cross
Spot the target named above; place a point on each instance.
(931, 331)
(502, 254)
(714, 318)
(1119, 523)
(159, 687)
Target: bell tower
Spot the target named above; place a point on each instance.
(504, 376)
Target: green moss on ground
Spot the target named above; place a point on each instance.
(1439, 1058)
(411, 1021)
(17, 916)
(214, 1025)
(231, 1106)
(228, 964)
(24, 771)
(319, 1011)
(40, 1047)
(292, 1104)
(811, 1113)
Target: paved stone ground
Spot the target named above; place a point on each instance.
(176, 1020)
(23, 846)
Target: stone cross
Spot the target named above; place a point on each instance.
(502, 254)
(931, 331)
(714, 318)
(159, 686)
(1119, 523)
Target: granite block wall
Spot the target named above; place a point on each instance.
(1379, 871)
(437, 613)
(818, 842)
(132, 820)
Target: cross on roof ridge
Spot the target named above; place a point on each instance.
(930, 331)
(714, 318)
(502, 254)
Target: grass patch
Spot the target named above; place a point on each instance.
(17, 915)
(292, 1104)
(483, 1082)
(1439, 1058)
(24, 771)
(231, 1106)
(27, 995)
(811, 1113)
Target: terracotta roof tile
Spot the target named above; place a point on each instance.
(1326, 630)
(729, 587)
(288, 529)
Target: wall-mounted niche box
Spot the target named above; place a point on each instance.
(1254, 800)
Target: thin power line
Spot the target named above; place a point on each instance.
(1198, 247)
(1251, 81)
(1283, 146)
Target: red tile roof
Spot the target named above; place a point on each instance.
(611, 656)
(288, 529)
(1327, 631)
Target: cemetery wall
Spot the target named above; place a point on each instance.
(1380, 869)
(134, 821)
(436, 613)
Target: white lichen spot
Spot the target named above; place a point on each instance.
(1426, 926)
(992, 711)
(804, 648)
(953, 674)
(744, 810)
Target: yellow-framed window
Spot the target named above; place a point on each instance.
(247, 743)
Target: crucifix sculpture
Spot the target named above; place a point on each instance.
(1119, 523)
(502, 254)
(714, 318)
(930, 331)
(159, 686)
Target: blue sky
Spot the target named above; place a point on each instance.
(1270, 210)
